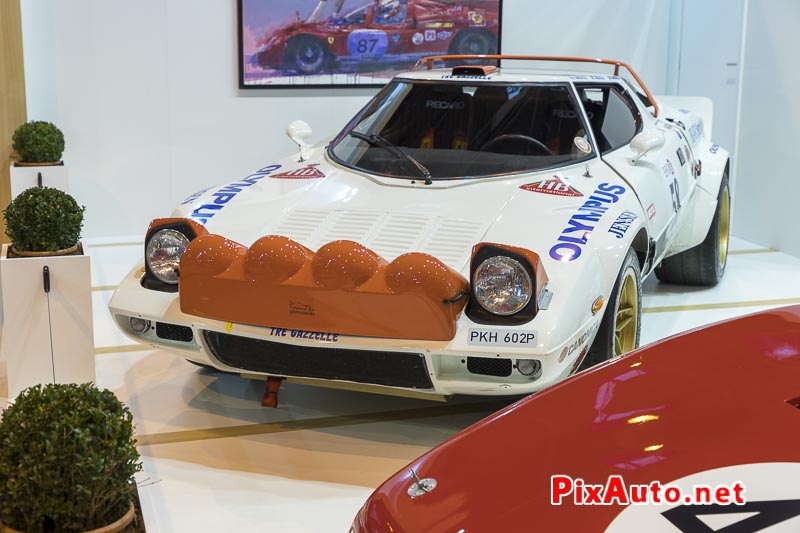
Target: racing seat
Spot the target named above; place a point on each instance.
(446, 114)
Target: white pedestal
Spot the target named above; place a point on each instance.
(23, 178)
(46, 337)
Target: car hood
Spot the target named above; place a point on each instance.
(315, 202)
(711, 399)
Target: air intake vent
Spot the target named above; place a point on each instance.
(489, 366)
(174, 332)
(473, 70)
(395, 369)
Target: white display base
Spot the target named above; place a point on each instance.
(23, 178)
(46, 337)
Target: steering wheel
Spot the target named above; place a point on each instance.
(539, 145)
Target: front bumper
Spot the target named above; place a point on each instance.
(416, 366)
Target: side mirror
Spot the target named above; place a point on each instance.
(298, 131)
(645, 142)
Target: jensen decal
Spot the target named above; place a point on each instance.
(581, 224)
(620, 226)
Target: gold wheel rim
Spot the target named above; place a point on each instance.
(724, 227)
(626, 323)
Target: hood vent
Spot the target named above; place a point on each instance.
(388, 234)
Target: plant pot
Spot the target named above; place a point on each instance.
(26, 175)
(115, 527)
(13, 252)
(30, 164)
(47, 336)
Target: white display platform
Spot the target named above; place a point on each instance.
(23, 178)
(46, 337)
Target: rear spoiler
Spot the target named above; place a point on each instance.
(699, 105)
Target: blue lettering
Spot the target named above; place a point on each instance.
(222, 198)
(574, 251)
(589, 218)
(568, 247)
(227, 193)
(576, 226)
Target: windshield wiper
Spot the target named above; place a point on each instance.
(373, 139)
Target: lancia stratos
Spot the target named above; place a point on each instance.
(474, 229)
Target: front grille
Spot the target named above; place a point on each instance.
(489, 366)
(394, 369)
(173, 332)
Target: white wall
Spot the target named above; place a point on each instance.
(709, 61)
(768, 179)
(146, 92)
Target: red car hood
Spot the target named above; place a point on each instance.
(725, 395)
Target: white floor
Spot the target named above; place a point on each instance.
(214, 459)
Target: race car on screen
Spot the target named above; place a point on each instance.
(470, 231)
(712, 416)
(381, 31)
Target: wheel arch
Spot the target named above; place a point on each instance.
(644, 252)
(699, 212)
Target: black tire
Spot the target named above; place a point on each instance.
(307, 55)
(604, 345)
(474, 42)
(705, 263)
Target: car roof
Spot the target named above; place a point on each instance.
(523, 69)
(510, 75)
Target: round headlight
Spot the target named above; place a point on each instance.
(163, 254)
(502, 285)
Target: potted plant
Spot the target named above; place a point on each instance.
(39, 146)
(38, 143)
(46, 292)
(67, 461)
(43, 221)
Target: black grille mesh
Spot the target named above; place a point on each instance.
(173, 332)
(395, 369)
(489, 366)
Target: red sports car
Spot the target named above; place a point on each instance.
(383, 31)
(698, 433)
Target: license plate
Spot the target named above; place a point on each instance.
(502, 337)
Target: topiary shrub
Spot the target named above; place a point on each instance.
(43, 219)
(38, 142)
(67, 459)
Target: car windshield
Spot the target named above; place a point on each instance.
(420, 129)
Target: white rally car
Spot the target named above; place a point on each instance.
(473, 230)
